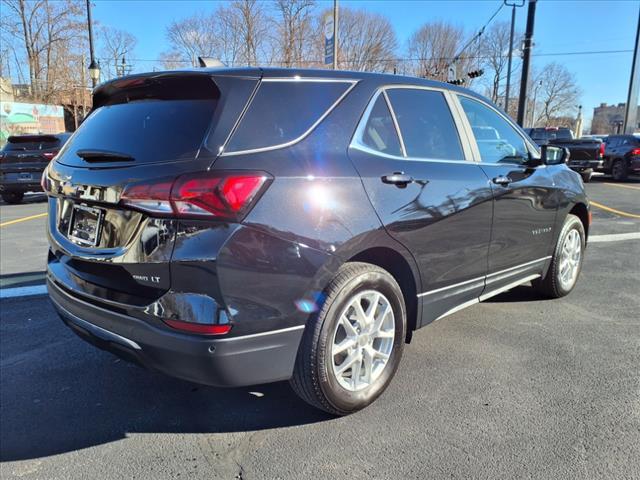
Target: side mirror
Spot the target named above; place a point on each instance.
(552, 155)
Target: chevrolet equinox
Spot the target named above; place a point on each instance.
(241, 226)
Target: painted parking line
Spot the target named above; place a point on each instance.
(621, 186)
(614, 237)
(23, 219)
(23, 291)
(613, 210)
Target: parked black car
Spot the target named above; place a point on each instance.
(621, 156)
(22, 161)
(241, 226)
(586, 154)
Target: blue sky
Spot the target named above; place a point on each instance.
(561, 26)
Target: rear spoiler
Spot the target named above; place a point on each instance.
(32, 138)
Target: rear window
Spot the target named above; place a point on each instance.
(543, 134)
(147, 130)
(29, 143)
(283, 111)
(149, 119)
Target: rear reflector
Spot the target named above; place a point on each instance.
(208, 195)
(201, 328)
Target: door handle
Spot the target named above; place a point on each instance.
(400, 179)
(502, 180)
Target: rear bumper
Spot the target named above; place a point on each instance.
(228, 362)
(580, 165)
(19, 187)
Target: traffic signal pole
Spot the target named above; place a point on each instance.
(526, 60)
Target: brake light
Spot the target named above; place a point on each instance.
(49, 155)
(635, 151)
(202, 328)
(223, 195)
(602, 150)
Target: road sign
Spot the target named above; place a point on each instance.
(328, 39)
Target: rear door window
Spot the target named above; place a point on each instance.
(426, 124)
(284, 110)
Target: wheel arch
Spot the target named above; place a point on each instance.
(581, 211)
(398, 266)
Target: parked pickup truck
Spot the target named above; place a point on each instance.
(586, 154)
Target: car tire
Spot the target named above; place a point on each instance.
(586, 175)
(619, 171)
(13, 197)
(317, 376)
(566, 262)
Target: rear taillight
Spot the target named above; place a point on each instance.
(49, 155)
(201, 328)
(602, 150)
(635, 151)
(223, 195)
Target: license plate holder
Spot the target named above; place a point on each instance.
(85, 225)
(25, 177)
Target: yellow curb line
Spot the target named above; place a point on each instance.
(23, 219)
(613, 210)
(621, 186)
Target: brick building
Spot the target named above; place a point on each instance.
(608, 119)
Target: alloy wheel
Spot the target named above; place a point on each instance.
(570, 256)
(362, 340)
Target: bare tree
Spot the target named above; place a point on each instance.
(47, 32)
(173, 61)
(253, 25)
(495, 53)
(432, 48)
(366, 41)
(557, 93)
(116, 45)
(295, 31)
(193, 37)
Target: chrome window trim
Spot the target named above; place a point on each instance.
(395, 122)
(352, 84)
(356, 141)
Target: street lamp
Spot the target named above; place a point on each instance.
(94, 72)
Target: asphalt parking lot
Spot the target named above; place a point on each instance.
(516, 387)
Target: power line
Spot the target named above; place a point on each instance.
(410, 59)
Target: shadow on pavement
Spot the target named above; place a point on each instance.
(518, 294)
(59, 394)
(39, 197)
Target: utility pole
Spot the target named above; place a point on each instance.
(631, 110)
(94, 69)
(335, 34)
(526, 59)
(513, 24)
(84, 89)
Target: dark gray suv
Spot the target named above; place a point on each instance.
(241, 226)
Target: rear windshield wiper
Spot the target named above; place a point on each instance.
(103, 156)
